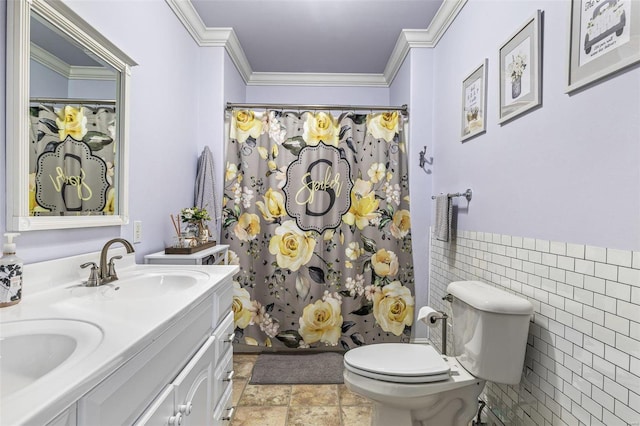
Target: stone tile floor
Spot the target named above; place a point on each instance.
(293, 405)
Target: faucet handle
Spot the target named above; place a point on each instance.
(111, 270)
(94, 274)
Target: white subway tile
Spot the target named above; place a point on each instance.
(561, 343)
(572, 335)
(599, 254)
(604, 335)
(583, 356)
(634, 331)
(594, 346)
(582, 325)
(557, 274)
(558, 301)
(567, 263)
(548, 311)
(542, 245)
(628, 310)
(629, 276)
(564, 317)
(593, 376)
(619, 257)
(628, 345)
(605, 367)
(575, 250)
(616, 323)
(563, 372)
(574, 365)
(535, 256)
(635, 366)
(550, 285)
(635, 295)
(549, 259)
(516, 242)
(573, 307)
(583, 296)
(564, 290)
(602, 398)
(606, 271)
(592, 407)
(594, 284)
(529, 243)
(568, 418)
(611, 419)
(522, 254)
(619, 291)
(580, 413)
(556, 247)
(617, 357)
(616, 390)
(634, 400)
(605, 303)
(626, 413)
(586, 267)
(594, 315)
(636, 259)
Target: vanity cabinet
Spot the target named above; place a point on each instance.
(182, 378)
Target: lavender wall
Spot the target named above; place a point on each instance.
(163, 130)
(318, 95)
(569, 171)
(46, 83)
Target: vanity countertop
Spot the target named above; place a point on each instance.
(124, 322)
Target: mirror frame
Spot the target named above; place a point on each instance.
(17, 112)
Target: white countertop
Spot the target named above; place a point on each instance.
(127, 326)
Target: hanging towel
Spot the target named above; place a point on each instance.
(205, 193)
(443, 217)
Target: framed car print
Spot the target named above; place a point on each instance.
(521, 70)
(474, 102)
(604, 38)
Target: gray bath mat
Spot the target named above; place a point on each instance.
(318, 368)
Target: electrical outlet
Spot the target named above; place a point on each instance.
(137, 231)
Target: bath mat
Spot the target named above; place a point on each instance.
(317, 368)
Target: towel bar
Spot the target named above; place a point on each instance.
(466, 194)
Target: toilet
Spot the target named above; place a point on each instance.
(413, 384)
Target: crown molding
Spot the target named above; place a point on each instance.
(226, 37)
(316, 79)
(69, 72)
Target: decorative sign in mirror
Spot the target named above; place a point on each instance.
(66, 120)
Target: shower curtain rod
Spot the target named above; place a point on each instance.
(403, 108)
(73, 101)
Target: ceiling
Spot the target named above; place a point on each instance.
(317, 42)
(317, 36)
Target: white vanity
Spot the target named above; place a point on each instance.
(152, 348)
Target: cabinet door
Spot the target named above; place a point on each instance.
(66, 418)
(161, 412)
(193, 388)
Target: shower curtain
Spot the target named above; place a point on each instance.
(94, 125)
(316, 213)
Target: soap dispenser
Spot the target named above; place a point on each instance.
(10, 273)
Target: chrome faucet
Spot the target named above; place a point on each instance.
(108, 271)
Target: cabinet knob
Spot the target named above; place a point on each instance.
(175, 420)
(229, 376)
(185, 408)
(229, 416)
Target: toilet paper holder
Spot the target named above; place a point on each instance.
(443, 316)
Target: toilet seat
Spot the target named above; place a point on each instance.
(398, 363)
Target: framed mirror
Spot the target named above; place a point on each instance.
(66, 121)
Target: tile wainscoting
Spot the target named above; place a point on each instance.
(582, 365)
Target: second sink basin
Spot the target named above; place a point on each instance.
(142, 285)
(31, 349)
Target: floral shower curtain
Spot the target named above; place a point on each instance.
(94, 125)
(316, 213)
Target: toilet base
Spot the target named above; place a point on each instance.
(452, 408)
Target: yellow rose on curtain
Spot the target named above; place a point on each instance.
(110, 205)
(246, 123)
(241, 306)
(400, 224)
(393, 307)
(248, 226)
(291, 246)
(320, 127)
(72, 122)
(273, 205)
(321, 322)
(231, 172)
(384, 263)
(363, 205)
(383, 125)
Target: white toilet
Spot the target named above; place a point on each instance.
(412, 384)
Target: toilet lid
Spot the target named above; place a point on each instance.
(398, 362)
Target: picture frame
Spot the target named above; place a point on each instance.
(604, 38)
(521, 70)
(474, 102)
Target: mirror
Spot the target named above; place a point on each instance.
(66, 121)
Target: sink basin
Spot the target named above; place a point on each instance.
(142, 285)
(31, 349)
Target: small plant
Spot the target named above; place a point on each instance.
(194, 214)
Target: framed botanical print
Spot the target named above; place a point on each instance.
(521, 70)
(474, 102)
(604, 38)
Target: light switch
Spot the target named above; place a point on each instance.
(137, 231)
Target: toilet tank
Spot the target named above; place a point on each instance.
(490, 329)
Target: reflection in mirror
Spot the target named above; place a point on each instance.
(66, 120)
(72, 101)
